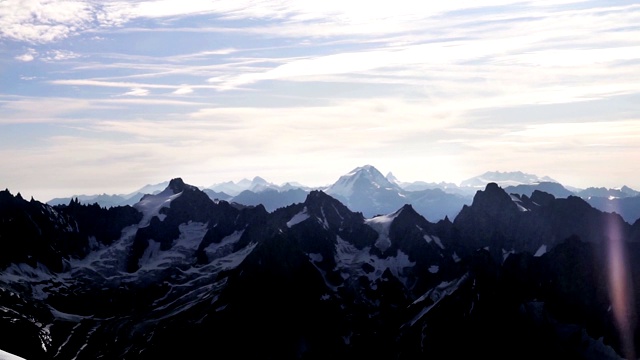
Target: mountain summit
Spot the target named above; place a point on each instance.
(504, 179)
(364, 179)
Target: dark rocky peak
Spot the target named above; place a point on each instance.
(105, 224)
(328, 218)
(32, 233)
(324, 206)
(542, 198)
(407, 216)
(493, 200)
(177, 185)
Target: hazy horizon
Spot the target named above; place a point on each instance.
(108, 97)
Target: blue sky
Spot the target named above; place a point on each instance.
(107, 96)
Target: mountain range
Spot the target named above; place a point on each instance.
(181, 275)
(367, 190)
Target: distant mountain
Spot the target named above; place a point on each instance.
(602, 192)
(179, 275)
(106, 200)
(214, 195)
(504, 179)
(627, 207)
(624, 201)
(256, 185)
(422, 185)
(270, 198)
(366, 190)
(552, 188)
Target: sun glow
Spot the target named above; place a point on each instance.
(620, 289)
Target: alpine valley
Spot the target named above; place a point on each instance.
(504, 265)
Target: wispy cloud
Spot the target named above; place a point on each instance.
(27, 56)
(183, 90)
(137, 92)
(59, 55)
(41, 21)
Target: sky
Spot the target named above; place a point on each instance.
(108, 96)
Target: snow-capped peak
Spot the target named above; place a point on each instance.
(392, 178)
(361, 176)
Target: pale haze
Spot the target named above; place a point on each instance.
(107, 96)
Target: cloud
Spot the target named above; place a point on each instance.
(137, 92)
(59, 55)
(116, 84)
(183, 91)
(42, 21)
(28, 56)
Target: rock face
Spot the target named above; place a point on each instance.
(179, 275)
(513, 223)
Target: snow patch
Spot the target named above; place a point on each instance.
(298, 218)
(430, 238)
(191, 235)
(382, 224)
(151, 252)
(349, 261)
(315, 257)
(8, 356)
(435, 295)
(541, 250)
(434, 269)
(150, 205)
(505, 254)
(224, 247)
(518, 202)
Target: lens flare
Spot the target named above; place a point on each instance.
(620, 290)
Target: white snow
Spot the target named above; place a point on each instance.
(436, 294)
(20, 272)
(234, 259)
(381, 224)
(518, 202)
(152, 252)
(541, 250)
(455, 257)
(506, 253)
(8, 356)
(298, 218)
(349, 261)
(325, 223)
(191, 235)
(434, 269)
(315, 257)
(224, 247)
(430, 238)
(184, 247)
(150, 205)
(344, 186)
